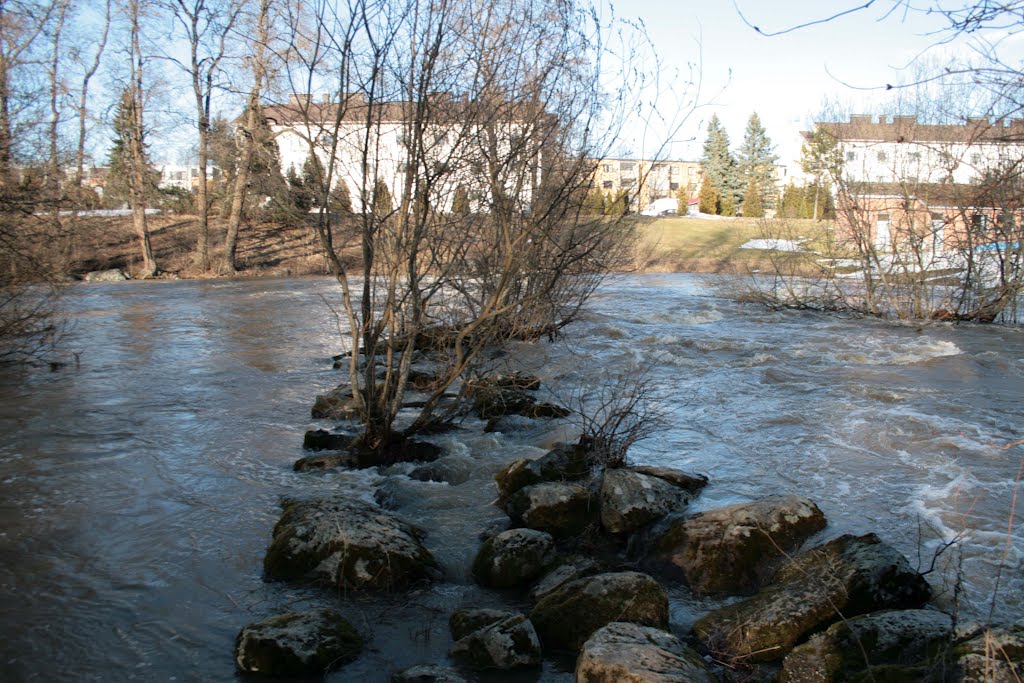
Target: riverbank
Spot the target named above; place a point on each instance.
(706, 244)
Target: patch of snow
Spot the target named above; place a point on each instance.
(778, 245)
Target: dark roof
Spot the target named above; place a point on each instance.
(907, 129)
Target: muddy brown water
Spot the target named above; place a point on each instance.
(138, 489)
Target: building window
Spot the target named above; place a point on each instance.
(882, 156)
(607, 168)
(607, 184)
(628, 182)
(625, 167)
(979, 221)
(673, 186)
(692, 171)
(851, 156)
(914, 156)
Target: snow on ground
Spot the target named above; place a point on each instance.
(778, 245)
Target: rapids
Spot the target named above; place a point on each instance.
(139, 486)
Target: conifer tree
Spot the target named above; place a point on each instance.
(682, 201)
(314, 179)
(608, 201)
(755, 162)
(822, 158)
(719, 166)
(753, 207)
(593, 205)
(340, 201)
(708, 199)
(382, 205)
(460, 202)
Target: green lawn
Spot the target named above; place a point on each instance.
(712, 245)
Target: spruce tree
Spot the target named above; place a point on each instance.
(755, 161)
(382, 205)
(118, 188)
(719, 165)
(593, 204)
(682, 201)
(460, 202)
(340, 201)
(314, 179)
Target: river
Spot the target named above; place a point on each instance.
(139, 486)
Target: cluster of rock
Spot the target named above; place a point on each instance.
(590, 548)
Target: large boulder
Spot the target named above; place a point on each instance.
(495, 399)
(735, 548)
(566, 462)
(513, 557)
(510, 643)
(873, 646)
(630, 653)
(297, 644)
(466, 621)
(989, 655)
(562, 510)
(353, 455)
(566, 617)
(844, 578)
(630, 500)
(348, 543)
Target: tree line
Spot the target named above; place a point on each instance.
(740, 182)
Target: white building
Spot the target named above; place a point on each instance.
(902, 150)
(457, 146)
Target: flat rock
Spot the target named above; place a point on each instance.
(348, 543)
(631, 653)
(989, 655)
(297, 644)
(692, 483)
(563, 574)
(466, 621)
(565, 462)
(844, 578)
(735, 548)
(566, 617)
(427, 673)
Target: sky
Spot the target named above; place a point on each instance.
(784, 78)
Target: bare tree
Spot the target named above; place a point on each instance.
(502, 106)
(206, 25)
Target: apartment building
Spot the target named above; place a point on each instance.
(647, 180)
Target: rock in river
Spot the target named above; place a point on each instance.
(513, 557)
(567, 616)
(630, 653)
(297, 644)
(844, 578)
(349, 543)
(732, 549)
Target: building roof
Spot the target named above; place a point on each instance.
(907, 129)
(935, 195)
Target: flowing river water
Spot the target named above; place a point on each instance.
(138, 487)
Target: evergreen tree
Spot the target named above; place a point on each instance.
(620, 205)
(753, 207)
(299, 197)
(822, 158)
(382, 205)
(593, 205)
(727, 207)
(719, 165)
(708, 199)
(460, 202)
(755, 162)
(314, 179)
(340, 201)
(682, 200)
(608, 201)
(118, 189)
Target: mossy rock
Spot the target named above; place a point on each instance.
(733, 549)
(297, 644)
(629, 653)
(465, 621)
(847, 577)
(886, 645)
(562, 510)
(566, 617)
(323, 440)
(349, 544)
(510, 643)
(513, 557)
(990, 655)
(566, 462)
(337, 404)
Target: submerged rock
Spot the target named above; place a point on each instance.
(348, 543)
(630, 653)
(336, 404)
(874, 646)
(323, 440)
(847, 577)
(404, 450)
(566, 617)
(513, 557)
(297, 644)
(329, 461)
(466, 621)
(629, 500)
(427, 673)
(562, 510)
(510, 643)
(735, 548)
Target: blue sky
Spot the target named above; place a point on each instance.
(784, 78)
